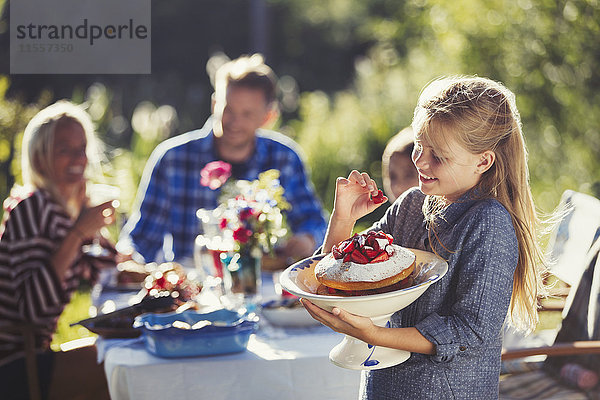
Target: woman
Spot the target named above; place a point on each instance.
(45, 224)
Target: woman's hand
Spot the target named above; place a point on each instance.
(342, 321)
(89, 222)
(91, 219)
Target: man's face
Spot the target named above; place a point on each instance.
(242, 112)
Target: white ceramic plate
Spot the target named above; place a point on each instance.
(299, 279)
(295, 317)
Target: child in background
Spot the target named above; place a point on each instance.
(398, 171)
(473, 208)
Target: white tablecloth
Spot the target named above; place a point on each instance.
(284, 364)
(280, 364)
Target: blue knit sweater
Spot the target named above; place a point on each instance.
(463, 313)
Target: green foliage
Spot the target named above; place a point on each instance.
(541, 50)
(14, 116)
(76, 310)
(151, 125)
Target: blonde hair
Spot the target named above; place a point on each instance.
(37, 156)
(482, 115)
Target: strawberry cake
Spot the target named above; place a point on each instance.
(365, 264)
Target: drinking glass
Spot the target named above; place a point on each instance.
(98, 194)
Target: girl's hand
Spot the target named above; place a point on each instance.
(91, 219)
(342, 321)
(356, 196)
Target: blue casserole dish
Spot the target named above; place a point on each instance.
(192, 333)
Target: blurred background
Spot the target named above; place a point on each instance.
(350, 73)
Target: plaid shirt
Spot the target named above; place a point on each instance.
(170, 192)
(463, 313)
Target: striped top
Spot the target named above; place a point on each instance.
(30, 291)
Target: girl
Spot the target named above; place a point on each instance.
(45, 224)
(474, 209)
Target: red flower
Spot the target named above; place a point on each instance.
(242, 234)
(215, 174)
(161, 283)
(223, 223)
(246, 213)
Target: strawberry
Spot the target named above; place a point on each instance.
(347, 257)
(379, 235)
(359, 241)
(389, 238)
(337, 253)
(381, 257)
(370, 252)
(374, 240)
(379, 197)
(376, 245)
(357, 257)
(347, 246)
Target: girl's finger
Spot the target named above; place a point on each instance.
(357, 177)
(312, 310)
(368, 181)
(344, 316)
(342, 181)
(373, 186)
(315, 310)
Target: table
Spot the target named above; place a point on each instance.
(294, 367)
(280, 363)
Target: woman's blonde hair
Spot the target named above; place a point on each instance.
(37, 156)
(482, 115)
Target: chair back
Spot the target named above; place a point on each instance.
(28, 332)
(572, 238)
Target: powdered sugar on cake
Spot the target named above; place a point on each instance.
(372, 272)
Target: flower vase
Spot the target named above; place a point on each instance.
(242, 276)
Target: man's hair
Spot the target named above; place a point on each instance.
(249, 72)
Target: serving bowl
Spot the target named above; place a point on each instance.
(193, 333)
(287, 313)
(299, 279)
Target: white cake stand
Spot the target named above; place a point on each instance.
(299, 279)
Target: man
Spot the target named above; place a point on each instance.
(170, 192)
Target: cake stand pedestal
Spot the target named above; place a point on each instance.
(299, 279)
(353, 353)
